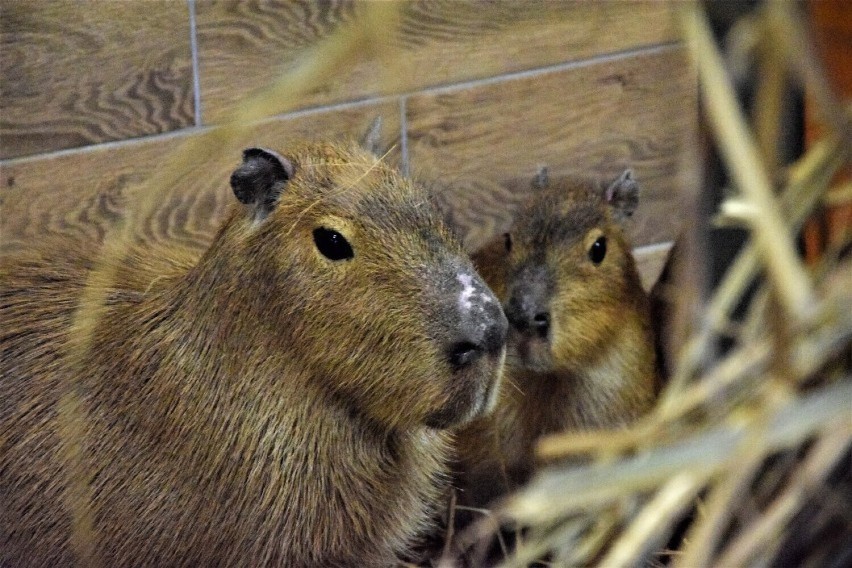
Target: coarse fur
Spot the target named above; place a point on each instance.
(592, 365)
(256, 404)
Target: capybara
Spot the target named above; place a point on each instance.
(580, 349)
(281, 398)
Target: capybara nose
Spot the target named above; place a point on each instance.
(464, 353)
(481, 326)
(494, 335)
(527, 315)
(484, 338)
(483, 335)
(541, 323)
(528, 308)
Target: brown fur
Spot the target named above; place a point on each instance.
(257, 405)
(596, 368)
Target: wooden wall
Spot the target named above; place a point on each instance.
(96, 97)
(831, 25)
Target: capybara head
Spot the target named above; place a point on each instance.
(568, 270)
(350, 262)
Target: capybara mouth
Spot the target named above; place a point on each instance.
(492, 389)
(473, 392)
(533, 352)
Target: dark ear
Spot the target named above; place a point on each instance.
(372, 139)
(541, 179)
(260, 179)
(623, 195)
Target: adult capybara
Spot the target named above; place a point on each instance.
(280, 399)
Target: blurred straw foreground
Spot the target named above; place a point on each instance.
(747, 455)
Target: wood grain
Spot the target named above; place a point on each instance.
(77, 73)
(650, 262)
(242, 45)
(634, 111)
(82, 195)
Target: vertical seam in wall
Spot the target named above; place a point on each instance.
(196, 81)
(403, 138)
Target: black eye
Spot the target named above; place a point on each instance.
(332, 244)
(507, 238)
(597, 251)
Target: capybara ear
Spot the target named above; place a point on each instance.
(541, 179)
(371, 141)
(260, 179)
(623, 195)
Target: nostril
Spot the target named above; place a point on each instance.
(464, 353)
(541, 323)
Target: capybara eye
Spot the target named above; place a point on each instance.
(332, 244)
(597, 251)
(507, 238)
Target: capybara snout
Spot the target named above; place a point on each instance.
(482, 325)
(471, 326)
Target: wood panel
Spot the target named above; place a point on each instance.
(243, 45)
(76, 73)
(81, 195)
(650, 262)
(635, 111)
(831, 25)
